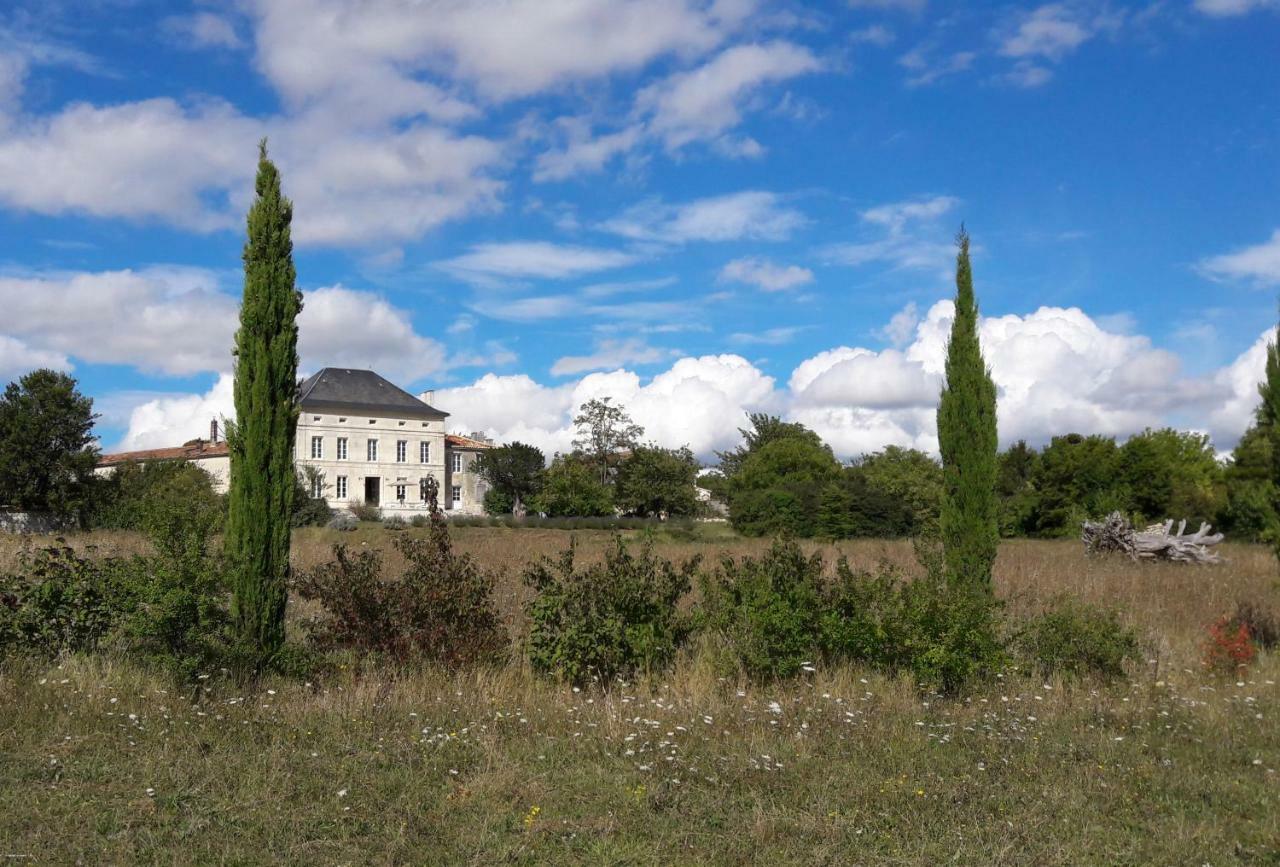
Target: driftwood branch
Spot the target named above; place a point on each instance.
(1157, 542)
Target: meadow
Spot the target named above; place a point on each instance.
(103, 762)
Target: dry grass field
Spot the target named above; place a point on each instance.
(103, 763)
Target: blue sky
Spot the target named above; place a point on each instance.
(699, 208)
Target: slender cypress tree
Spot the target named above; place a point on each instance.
(261, 440)
(1269, 419)
(967, 440)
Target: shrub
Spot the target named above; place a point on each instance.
(419, 521)
(439, 609)
(1228, 648)
(498, 502)
(1074, 638)
(365, 512)
(58, 601)
(134, 495)
(343, 521)
(168, 608)
(394, 522)
(766, 611)
(609, 620)
(308, 511)
(945, 634)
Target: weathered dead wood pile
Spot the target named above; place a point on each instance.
(1157, 542)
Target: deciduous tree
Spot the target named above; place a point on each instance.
(47, 453)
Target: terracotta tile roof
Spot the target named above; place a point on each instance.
(191, 451)
(466, 442)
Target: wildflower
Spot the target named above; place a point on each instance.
(531, 816)
(342, 793)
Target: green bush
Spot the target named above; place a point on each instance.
(439, 609)
(1074, 638)
(169, 608)
(497, 502)
(134, 496)
(944, 634)
(766, 612)
(309, 511)
(59, 602)
(609, 620)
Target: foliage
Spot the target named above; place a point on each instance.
(907, 477)
(308, 510)
(498, 503)
(1170, 473)
(608, 620)
(440, 608)
(261, 440)
(766, 611)
(1077, 477)
(1075, 638)
(603, 430)
(967, 440)
(1249, 510)
(657, 481)
(58, 601)
(513, 471)
(943, 632)
(1228, 649)
(47, 452)
(168, 607)
(1014, 489)
(570, 487)
(764, 429)
(136, 496)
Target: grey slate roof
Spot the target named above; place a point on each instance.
(360, 391)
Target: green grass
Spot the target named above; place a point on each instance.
(1170, 766)
(102, 763)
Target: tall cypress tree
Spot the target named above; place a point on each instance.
(1269, 418)
(261, 440)
(967, 440)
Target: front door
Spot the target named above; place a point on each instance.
(372, 489)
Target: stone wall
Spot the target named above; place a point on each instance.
(28, 522)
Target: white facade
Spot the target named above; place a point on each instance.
(369, 443)
(377, 461)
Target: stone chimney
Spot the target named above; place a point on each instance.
(427, 396)
(213, 431)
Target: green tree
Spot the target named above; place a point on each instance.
(967, 440)
(138, 495)
(571, 489)
(514, 470)
(604, 430)
(1172, 474)
(1269, 420)
(910, 477)
(779, 487)
(657, 481)
(835, 519)
(764, 429)
(47, 453)
(261, 440)
(1249, 510)
(1017, 495)
(1078, 477)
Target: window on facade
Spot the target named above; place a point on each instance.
(424, 453)
(457, 494)
(400, 491)
(342, 448)
(402, 451)
(423, 489)
(457, 462)
(317, 486)
(317, 447)
(372, 450)
(342, 487)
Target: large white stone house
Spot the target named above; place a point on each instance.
(371, 441)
